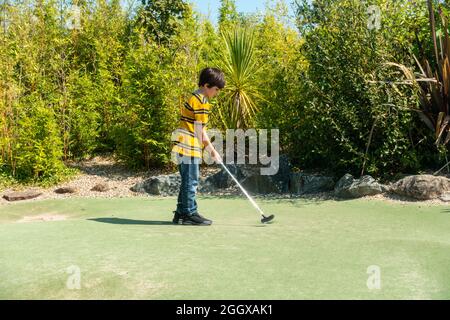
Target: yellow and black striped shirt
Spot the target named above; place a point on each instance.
(194, 111)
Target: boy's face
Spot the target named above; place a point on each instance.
(211, 92)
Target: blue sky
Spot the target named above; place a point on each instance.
(246, 6)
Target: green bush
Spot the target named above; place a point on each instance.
(344, 110)
(118, 83)
(38, 148)
(155, 81)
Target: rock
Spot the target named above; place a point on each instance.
(386, 188)
(349, 187)
(138, 187)
(445, 197)
(169, 185)
(160, 185)
(101, 187)
(248, 175)
(302, 183)
(255, 182)
(63, 190)
(343, 185)
(264, 184)
(22, 195)
(222, 180)
(206, 186)
(251, 178)
(422, 187)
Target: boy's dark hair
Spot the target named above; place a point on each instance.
(213, 77)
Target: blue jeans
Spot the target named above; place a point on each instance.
(190, 171)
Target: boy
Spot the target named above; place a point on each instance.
(190, 137)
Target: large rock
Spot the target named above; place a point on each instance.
(303, 183)
(349, 187)
(205, 186)
(445, 197)
(165, 185)
(250, 177)
(222, 180)
(169, 185)
(22, 195)
(254, 182)
(422, 187)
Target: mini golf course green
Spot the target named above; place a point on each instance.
(126, 248)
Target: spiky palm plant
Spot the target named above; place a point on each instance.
(237, 104)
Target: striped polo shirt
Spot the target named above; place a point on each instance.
(195, 110)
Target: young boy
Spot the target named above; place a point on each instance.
(190, 138)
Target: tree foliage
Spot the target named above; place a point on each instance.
(77, 83)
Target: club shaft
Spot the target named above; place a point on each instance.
(243, 190)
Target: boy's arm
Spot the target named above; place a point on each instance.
(201, 132)
(200, 123)
(207, 142)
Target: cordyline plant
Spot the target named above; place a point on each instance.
(241, 95)
(433, 85)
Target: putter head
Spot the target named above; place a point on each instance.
(267, 219)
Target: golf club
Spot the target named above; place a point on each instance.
(264, 219)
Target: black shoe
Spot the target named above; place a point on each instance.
(206, 219)
(176, 217)
(196, 220)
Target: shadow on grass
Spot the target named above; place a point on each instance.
(160, 223)
(133, 222)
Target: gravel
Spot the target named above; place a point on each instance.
(104, 169)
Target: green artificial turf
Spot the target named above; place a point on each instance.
(126, 248)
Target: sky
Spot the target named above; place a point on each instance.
(210, 8)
